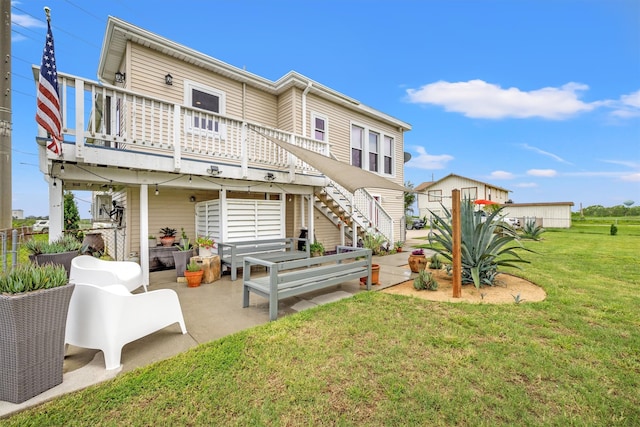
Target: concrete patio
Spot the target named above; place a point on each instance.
(211, 311)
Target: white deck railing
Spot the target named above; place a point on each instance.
(98, 115)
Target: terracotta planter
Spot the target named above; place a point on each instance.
(167, 241)
(375, 275)
(417, 262)
(194, 278)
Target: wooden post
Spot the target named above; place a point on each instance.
(457, 243)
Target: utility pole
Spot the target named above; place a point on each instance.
(5, 115)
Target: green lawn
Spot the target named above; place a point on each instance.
(381, 359)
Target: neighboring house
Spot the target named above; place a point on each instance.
(431, 196)
(175, 138)
(17, 214)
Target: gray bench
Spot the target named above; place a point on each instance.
(291, 278)
(276, 250)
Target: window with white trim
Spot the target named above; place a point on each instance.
(319, 124)
(377, 154)
(388, 155)
(374, 147)
(204, 98)
(357, 145)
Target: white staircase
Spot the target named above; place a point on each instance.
(358, 211)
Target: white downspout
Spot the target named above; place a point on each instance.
(304, 109)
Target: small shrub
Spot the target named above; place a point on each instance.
(435, 263)
(425, 280)
(531, 230)
(65, 243)
(30, 277)
(193, 266)
(613, 230)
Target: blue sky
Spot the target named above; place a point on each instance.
(539, 97)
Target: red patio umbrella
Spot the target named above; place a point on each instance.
(485, 202)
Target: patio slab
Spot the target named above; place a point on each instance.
(211, 311)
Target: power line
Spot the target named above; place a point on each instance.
(85, 11)
(57, 27)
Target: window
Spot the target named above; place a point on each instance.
(435, 195)
(388, 155)
(204, 98)
(470, 193)
(376, 154)
(374, 142)
(357, 142)
(319, 127)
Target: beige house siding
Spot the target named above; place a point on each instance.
(286, 111)
(149, 67)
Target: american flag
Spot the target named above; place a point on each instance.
(48, 108)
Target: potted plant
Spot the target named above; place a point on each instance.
(59, 252)
(193, 274)
(181, 257)
(152, 241)
(183, 236)
(316, 249)
(398, 245)
(417, 260)
(205, 245)
(375, 275)
(34, 300)
(168, 236)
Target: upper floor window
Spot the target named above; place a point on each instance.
(376, 153)
(319, 124)
(388, 155)
(357, 145)
(435, 195)
(204, 98)
(374, 147)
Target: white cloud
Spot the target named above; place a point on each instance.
(501, 175)
(544, 153)
(634, 177)
(479, 99)
(27, 21)
(545, 173)
(425, 160)
(526, 185)
(628, 106)
(628, 163)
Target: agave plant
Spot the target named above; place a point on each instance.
(531, 230)
(485, 244)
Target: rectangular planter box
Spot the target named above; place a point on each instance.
(32, 331)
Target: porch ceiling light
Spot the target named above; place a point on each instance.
(214, 170)
(120, 77)
(269, 176)
(168, 79)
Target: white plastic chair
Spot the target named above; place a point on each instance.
(89, 269)
(108, 317)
